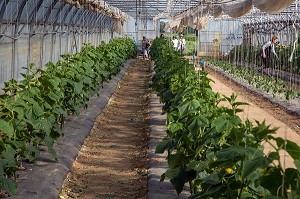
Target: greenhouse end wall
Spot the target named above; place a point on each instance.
(219, 37)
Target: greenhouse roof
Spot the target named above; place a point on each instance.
(151, 8)
(170, 8)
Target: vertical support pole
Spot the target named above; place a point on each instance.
(136, 22)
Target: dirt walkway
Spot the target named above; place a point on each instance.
(112, 162)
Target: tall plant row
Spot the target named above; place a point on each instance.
(249, 54)
(209, 146)
(271, 85)
(33, 110)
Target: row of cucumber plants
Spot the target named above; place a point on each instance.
(209, 146)
(33, 110)
(272, 85)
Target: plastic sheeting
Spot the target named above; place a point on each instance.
(272, 6)
(234, 9)
(118, 27)
(241, 7)
(200, 22)
(216, 11)
(237, 9)
(100, 6)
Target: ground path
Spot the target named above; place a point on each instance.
(112, 162)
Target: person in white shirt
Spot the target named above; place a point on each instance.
(145, 47)
(266, 51)
(181, 44)
(175, 43)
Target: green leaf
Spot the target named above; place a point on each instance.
(188, 106)
(34, 149)
(235, 152)
(34, 91)
(20, 111)
(53, 96)
(47, 106)
(236, 104)
(162, 177)
(198, 166)
(172, 116)
(291, 147)
(223, 122)
(291, 177)
(77, 87)
(6, 128)
(167, 96)
(175, 160)
(173, 172)
(262, 130)
(274, 197)
(9, 156)
(9, 185)
(253, 164)
(176, 176)
(196, 123)
(54, 82)
(49, 143)
(293, 195)
(46, 126)
(38, 111)
(246, 195)
(28, 115)
(175, 126)
(274, 156)
(237, 134)
(297, 164)
(212, 179)
(163, 145)
(210, 192)
(272, 180)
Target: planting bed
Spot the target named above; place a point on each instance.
(282, 111)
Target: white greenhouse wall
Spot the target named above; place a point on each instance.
(144, 27)
(219, 37)
(39, 50)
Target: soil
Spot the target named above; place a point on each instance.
(112, 162)
(292, 120)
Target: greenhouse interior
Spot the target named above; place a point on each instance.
(157, 99)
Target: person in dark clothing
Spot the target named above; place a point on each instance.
(145, 48)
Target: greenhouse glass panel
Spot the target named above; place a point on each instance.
(30, 6)
(76, 17)
(70, 15)
(56, 10)
(40, 16)
(11, 10)
(84, 19)
(64, 13)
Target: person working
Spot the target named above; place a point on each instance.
(175, 43)
(266, 51)
(145, 47)
(181, 44)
